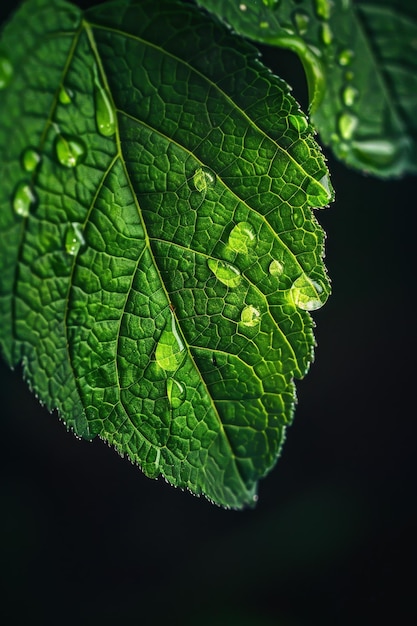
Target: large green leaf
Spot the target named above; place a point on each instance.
(159, 254)
(361, 64)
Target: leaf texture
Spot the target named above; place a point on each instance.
(361, 64)
(158, 250)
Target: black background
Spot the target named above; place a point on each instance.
(86, 538)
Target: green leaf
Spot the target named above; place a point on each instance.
(360, 60)
(159, 254)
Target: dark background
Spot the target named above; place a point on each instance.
(85, 538)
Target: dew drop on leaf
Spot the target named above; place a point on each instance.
(323, 8)
(74, 238)
(345, 57)
(326, 34)
(204, 178)
(347, 124)
(70, 150)
(6, 71)
(301, 21)
(382, 152)
(24, 197)
(250, 316)
(170, 350)
(105, 113)
(349, 95)
(319, 192)
(242, 237)
(30, 159)
(276, 268)
(225, 272)
(306, 293)
(271, 4)
(175, 392)
(65, 96)
(299, 122)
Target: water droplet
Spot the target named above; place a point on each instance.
(349, 95)
(299, 122)
(204, 178)
(276, 268)
(271, 4)
(70, 150)
(301, 21)
(225, 272)
(379, 151)
(242, 237)
(30, 159)
(74, 238)
(319, 192)
(175, 392)
(264, 24)
(243, 7)
(250, 316)
(65, 96)
(24, 197)
(105, 113)
(170, 350)
(345, 57)
(347, 124)
(307, 294)
(324, 8)
(6, 71)
(326, 34)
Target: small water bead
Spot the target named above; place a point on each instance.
(347, 125)
(345, 57)
(70, 150)
(264, 24)
(319, 192)
(225, 272)
(271, 4)
(301, 21)
(204, 178)
(299, 122)
(105, 113)
(250, 316)
(326, 34)
(324, 8)
(243, 7)
(74, 239)
(276, 268)
(6, 71)
(170, 350)
(175, 392)
(24, 198)
(349, 95)
(65, 96)
(242, 237)
(349, 75)
(30, 159)
(307, 294)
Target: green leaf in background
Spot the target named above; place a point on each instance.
(158, 250)
(360, 60)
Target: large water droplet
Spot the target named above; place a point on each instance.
(225, 272)
(250, 316)
(170, 350)
(347, 124)
(74, 238)
(175, 392)
(319, 192)
(276, 268)
(105, 113)
(326, 34)
(349, 95)
(70, 150)
(299, 122)
(242, 237)
(204, 178)
(307, 294)
(301, 21)
(345, 57)
(379, 151)
(6, 71)
(65, 96)
(23, 198)
(324, 8)
(30, 159)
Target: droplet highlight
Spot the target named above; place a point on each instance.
(74, 239)
(349, 95)
(225, 272)
(326, 34)
(299, 122)
(381, 152)
(345, 57)
(204, 178)
(276, 268)
(347, 125)
(6, 71)
(176, 393)
(30, 159)
(104, 110)
(170, 350)
(70, 150)
(23, 199)
(307, 294)
(323, 8)
(242, 237)
(301, 21)
(250, 316)
(319, 192)
(65, 96)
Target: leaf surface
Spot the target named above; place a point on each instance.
(360, 60)
(158, 250)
